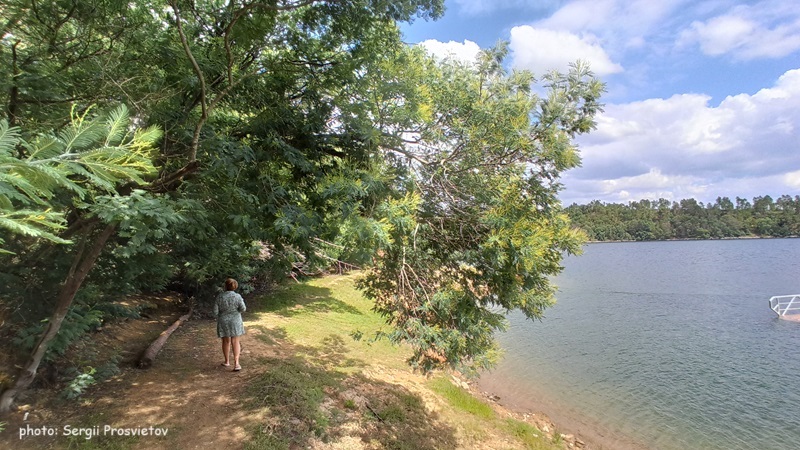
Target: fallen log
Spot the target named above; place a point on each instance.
(150, 354)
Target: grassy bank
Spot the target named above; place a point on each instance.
(336, 392)
(305, 384)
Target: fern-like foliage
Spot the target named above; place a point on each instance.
(9, 137)
(91, 154)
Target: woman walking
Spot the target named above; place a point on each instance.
(228, 309)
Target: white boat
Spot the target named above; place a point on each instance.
(786, 306)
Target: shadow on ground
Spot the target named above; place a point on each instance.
(313, 400)
(288, 396)
(309, 298)
(310, 406)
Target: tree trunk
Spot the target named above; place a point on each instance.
(13, 97)
(150, 354)
(81, 266)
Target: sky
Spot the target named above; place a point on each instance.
(702, 101)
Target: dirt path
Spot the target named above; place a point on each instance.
(320, 394)
(204, 405)
(186, 392)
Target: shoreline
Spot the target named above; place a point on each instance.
(566, 420)
(731, 238)
(344, 393)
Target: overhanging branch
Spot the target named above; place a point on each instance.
(200, 77)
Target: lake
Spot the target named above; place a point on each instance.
(664, 345)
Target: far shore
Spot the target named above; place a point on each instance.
(692, 239)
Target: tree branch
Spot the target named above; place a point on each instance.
(13, 97)
(409, 155)
(166, 183)
(200, 77)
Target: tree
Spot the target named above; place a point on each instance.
(763, 204)
(296, 132)
(56, 54)
(688, 219)
(248, 87)
(724, 204)
(88, 160)
(475, 227)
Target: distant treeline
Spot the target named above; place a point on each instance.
(648, 220)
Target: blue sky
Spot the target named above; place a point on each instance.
(703, 96)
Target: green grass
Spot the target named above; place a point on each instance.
(263, 440)
(294, 391)
(303, 396)
(320, 316)
(461, 399)
(530, 436)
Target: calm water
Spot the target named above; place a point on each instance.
(664, 345)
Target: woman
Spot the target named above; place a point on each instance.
(228, 309)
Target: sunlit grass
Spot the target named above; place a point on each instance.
(482, 414)
(461, 399)
(321, 316)
(530, 436)
(294, 391)
(315, 320)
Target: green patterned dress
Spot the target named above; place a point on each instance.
(228, 309)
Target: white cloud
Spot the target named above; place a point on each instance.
(652, 185)
(541, 50)
(768, 29)
(580, 15)
(683, 147)
(598, 15)
(654, 180)
(635, 42)
(695, 143)
(466, 51)
(721, 34)
(626, 23)
(792, 179)
(788, 85)
(765, 29)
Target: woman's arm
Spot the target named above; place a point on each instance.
(216, 307)
(241, 307)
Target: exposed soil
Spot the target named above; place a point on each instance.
(204, 405)
(186, 391)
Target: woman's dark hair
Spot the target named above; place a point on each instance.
(231, 284)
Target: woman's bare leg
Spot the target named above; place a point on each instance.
(226, 349)
(237, 348)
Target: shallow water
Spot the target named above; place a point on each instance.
(664, 345)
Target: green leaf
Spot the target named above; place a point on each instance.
(44, 147)
(9, 138)
(116, 125)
